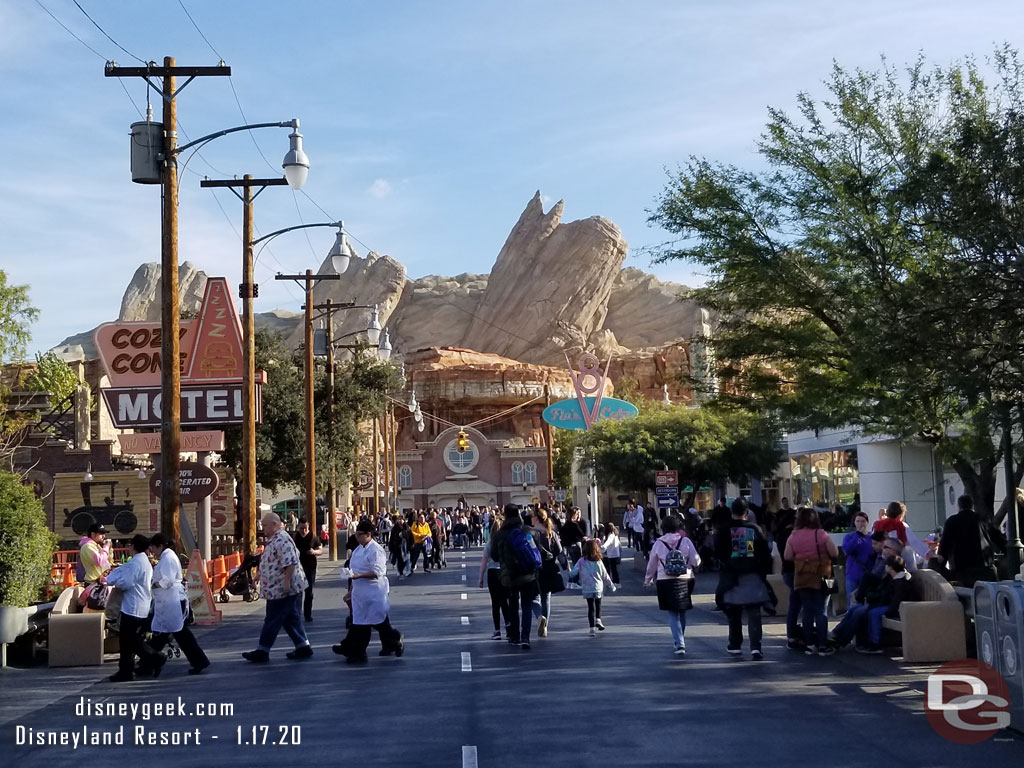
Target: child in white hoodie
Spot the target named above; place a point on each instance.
(593, 577)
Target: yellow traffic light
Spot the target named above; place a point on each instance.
(461, 442)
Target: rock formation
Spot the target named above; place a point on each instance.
(550, 283)
(645, 312)
(435, 311)
(554, 286)
(141, 299)
(374, 279)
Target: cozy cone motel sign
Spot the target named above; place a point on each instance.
(210, 365)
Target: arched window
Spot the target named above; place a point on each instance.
(531, 473)
(405, 477)
(517, 472)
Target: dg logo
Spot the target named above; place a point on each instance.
(967, 701)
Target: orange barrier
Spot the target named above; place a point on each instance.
(220, 574)
(232, 561)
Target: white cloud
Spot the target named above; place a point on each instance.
(380, 189)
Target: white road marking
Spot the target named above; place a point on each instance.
(465, 620)
(463, 565)
(463, 577)
(469, 757)
(467, 662)
(465, 596)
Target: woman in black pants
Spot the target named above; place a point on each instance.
(499, 595)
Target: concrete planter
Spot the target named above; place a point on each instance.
(13, 622)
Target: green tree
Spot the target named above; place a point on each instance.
(52, 375)
(280, 437)
(16, 314)
(563, 444)
(361, 388)
(703, 444)
(26, 543)
(838, 271)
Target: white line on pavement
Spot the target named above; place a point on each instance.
(465, 619)
(463, 565)
(467, 662)
(469, 757)
(465, 596)
(463, 577)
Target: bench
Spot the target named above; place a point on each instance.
(932, 627)
(76, 637)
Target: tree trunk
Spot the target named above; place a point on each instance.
(979, 484)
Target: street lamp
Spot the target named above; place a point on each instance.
(296, 164)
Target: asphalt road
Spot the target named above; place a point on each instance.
(618, 699)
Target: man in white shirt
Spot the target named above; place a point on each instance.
(135, 579)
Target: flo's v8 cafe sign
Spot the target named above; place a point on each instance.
(210, 364)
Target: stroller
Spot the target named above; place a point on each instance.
(242, 581)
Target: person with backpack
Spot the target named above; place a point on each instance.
(520, 562)
(670, 568)
(742, 590)
(593, 578)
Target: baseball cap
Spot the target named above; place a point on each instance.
(96, 528)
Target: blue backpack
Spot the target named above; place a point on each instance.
(524, 551)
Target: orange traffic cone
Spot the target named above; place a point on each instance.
(69, 577)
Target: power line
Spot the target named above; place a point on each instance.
(216, 53)
(90, 18)
(48, 13)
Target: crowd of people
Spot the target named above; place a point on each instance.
(530, 554)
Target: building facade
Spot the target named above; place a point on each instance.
(489, 472)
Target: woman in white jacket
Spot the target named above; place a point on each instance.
(170, 606)
(368, 595)
(673, 590)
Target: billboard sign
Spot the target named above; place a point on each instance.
(566, 414)
(135, 407)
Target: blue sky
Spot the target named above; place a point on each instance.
(429, 125)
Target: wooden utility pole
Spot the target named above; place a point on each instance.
(332, 517)
(170, 348)
(307, 280)
(394, 458)
(376, 466)
(551, 448)
(310, 432)
(247, 292)
(387, 463)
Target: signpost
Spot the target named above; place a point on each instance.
(197, 482)
(668, 496)
(666, 477)
(212, 389)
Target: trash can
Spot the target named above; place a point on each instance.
(1010, 645)
(985, 622)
